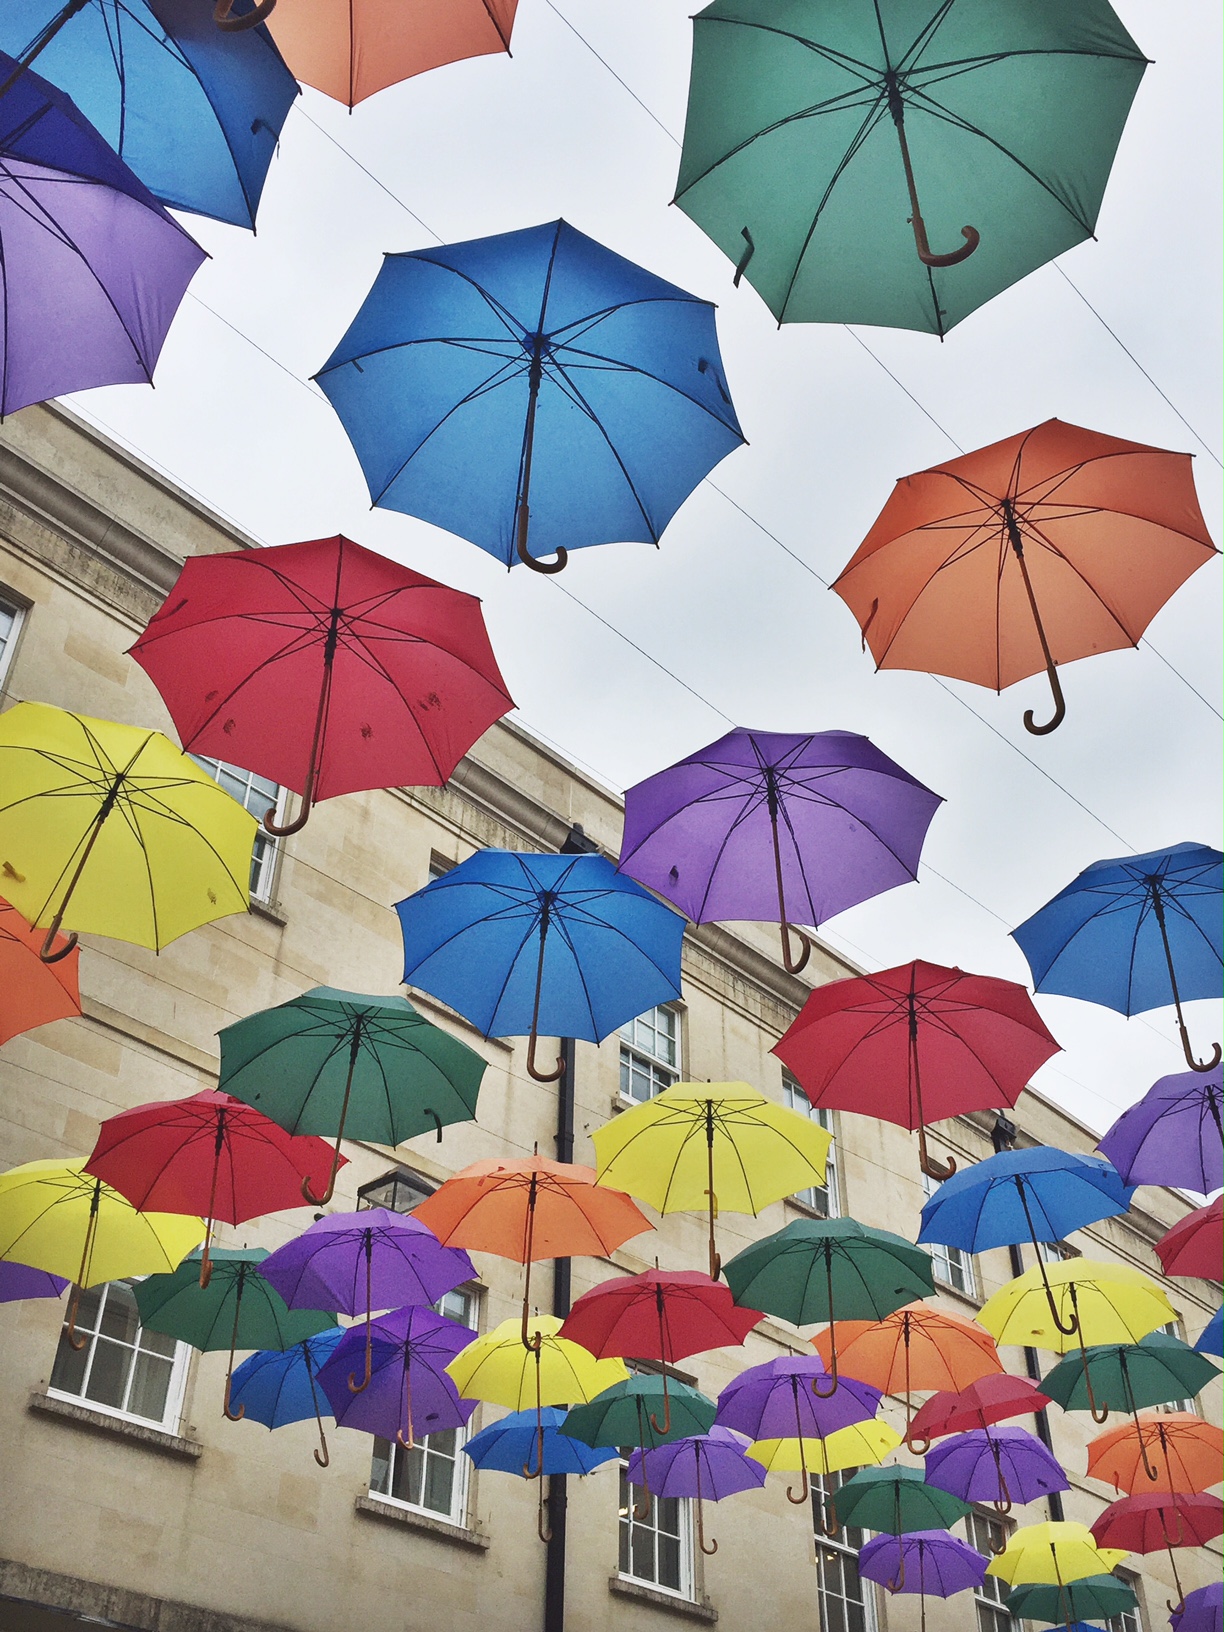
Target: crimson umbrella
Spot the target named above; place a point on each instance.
(992, 1398)
(1156, 1519)
(915, 1044)
(1195, 1245)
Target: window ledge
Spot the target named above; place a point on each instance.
(441, 1529)
(687, 1608)
(802, 1208)
(84, 1416)
(265, 909)
(970, 1299)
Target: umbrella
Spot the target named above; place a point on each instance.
(1158, 1370)
(324, 667)
(510, 1445)
(176, 855)
(278, 1386)
(916, 1044)
(1000, 1466)
(711, 1147)
(56, 1217)
(34, 992)
(1048, 546)
(923, 1561)
(1135, 933)
(523, 943)
(332, 1061)
(551, 1371)
(351, 48)
(235, 1309)
(1145, 1524)
(826, 1270)
(1202, 1610)
(1052, 1553)
(19, 1281)
(1211, 1340)
(626, 1413)
(409, 1391)
(895, 1500)
(704, 1468)
(766, 826)
(1098, 1594)
(1173, 1135)
(1188, 1453)
(1195, 1245)
(532, 392)
(194, 114)
(992, 1398)
(812, 133)
(860, 1444)
(94, 267)
(208, 1154)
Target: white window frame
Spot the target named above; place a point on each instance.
(796, 1100)
(1057, 1252)
(949, 1262)
(266, 851)
(17, 611)
(824, 1488)
(687, 1590)
(654, 1065)
(171, 1416)
(992, 1591)
(1130, 1620)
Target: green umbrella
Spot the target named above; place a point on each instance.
(834, 1269)
(815, 128)
(1070, 1601)
(896, 1500)
(331, 1062)
(1156, 1371)
(626, 1413)
(238, 1309)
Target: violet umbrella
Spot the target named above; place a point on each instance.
(705, 1467)
(355, 1263)
(1173, 1135)
(19, 1281)
(1201, 1611)
(996, 1465)
(931, 1562)
(765, 825)
(409, 1391)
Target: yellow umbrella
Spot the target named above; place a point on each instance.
(57, 1217)
(1053, 1553)
(114, 829)
(861, 1445)
(702, 1146)
(497, 1368)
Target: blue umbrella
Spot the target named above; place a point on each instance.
(194, 112)
(512, 1445)
(1134, 933)
(532, 379)
(278, 1386)
(1212, 1340)
(521, 943)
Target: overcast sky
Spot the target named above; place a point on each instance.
(749, 631)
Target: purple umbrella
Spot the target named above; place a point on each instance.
(763, 825)
(1173, 1135)
(996, 1465)
(94, 266)
(19, 1281)
(924, 1561)
(355, 1263)
(1202, 1611)
(706, 1466)
(408, 1388)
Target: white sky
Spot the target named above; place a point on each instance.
(498, 143)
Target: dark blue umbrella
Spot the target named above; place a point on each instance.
(512, 1445)
(194, 112)
(278, 1386)
(1212, 1340)
(534, 378)
(522, 944)
(1134, 933)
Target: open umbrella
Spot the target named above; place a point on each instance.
(1173, 1135)
(701, 1468)
(897, 1501)
(768, 826)
(532, 392)
(1158, 1370)
(1195, 1245)
(1135, 933)
(522, 943)
(324, 667)
(1211, 1339)
(34, 992)
(628, 1413)
(19, 1281)
(992, 1398)
(916, 1044)
(511, 1445)
(1053, 1552)
(858, 1445)
(928, 1562)
(1201, 1611)
(409, 1392)
(1069, 1601)
(280, 1386)
(1001, 1466)
(335, 1062)
(1146, 1523)
(1164, 1451)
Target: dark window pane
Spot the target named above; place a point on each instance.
(109, 1373)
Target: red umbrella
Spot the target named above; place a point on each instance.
(992, 1398)
(209, 1155)
(916, 1044)
(324, 667)
(1145, 1524)
(1196, 1245)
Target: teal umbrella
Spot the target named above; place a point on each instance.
(1063, 1602)
(628, 1413)
(826, 142)
(1158, 1370)
(896, 1501)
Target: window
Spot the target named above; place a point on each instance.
(822, 1199)
(650, 1054)
(656, 1549)
(951, 1266)
(847, 1603)
(11, 619)
(440, 865)
(1129, 1620)
(399, 1192)
(122, 1369)
(1057, 1252)
(1173, 1330)
(986, 1534)
(258, 795)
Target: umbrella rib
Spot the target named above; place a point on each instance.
(620, 367)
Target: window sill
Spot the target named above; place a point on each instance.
(84, 1416)
(265, 909)
(440, 1529)
(970, 1299)
(805, 1211)
(687, 1608)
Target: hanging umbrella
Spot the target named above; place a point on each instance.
(1195, 1245)
(19, 1281)
(916, 1044)
(860, 1444)
(1068, 1602)
(523, 943)
(628, 1412)
(177, 853)
(532, 392)
(324, 667)
(1048, 546)
(1211, 1340)
(94, 267)
(1158, 1370)
(812, 134)
(332, 1062)
(711, 1147)
(768, 826)
(208, 1154)
(409, 1392)
(34, 992)
(196, 115)
(1052, 1553)
(1165, 1450)
(702, 1468)
(1173, 1135)
(511, 1445)
(236, 1309)
(1202, 1610)
(277, 1387)
(992, 1398)
(1145, 1524)
(1135, 933)
(897, 1501)
(928, 1562)
(1002, 1466)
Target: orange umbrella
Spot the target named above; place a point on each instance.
(34, 991)
(1048, 546)
(1160, 1450)
(528, 1210)
(351, 48)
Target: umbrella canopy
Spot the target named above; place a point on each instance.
(512, 1446)
(1148, 1522)
(916, 1044)
(94, 267)
(1173, 1135)
(552, 1371)
(114, 828)
(992, 1398)
(522, 944)
(1155, 1371)
(1211, 1341)
(1033, 1195)
(930, 1562)
(333, 1062)
(280, 1386)
(34, 992)
(194, 112)
(704, 1467)
(324, 667)
(625, 1414)
(1195, 1245)
(1201, 1611)
(408, 1391)
(1069, 1601)
(1053, 1552)
(775, 1400)
(19, 1281)
(861, 1444)
(895, 1500)
(1164, 1451)
(768, 826)
(1094, 1302)
(1002, 1466)
(1135, 933)
(532, 392)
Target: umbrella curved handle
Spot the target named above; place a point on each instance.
(999, 1549)
(712, 1547)
(323, 1455)
(791, 964)
(223, 16)
(1195, 1065)
(206, 1267)
(282, 830)
(917, 1447)
(972, 239)
(358, 1385)
(543, 1528)
(410, 1443)
(1060, 708)
(939, 1171)
(805, 1489)
(74, 1342)
(234, 1416)
(46, 954)
(534, 1071)
(525, 555)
